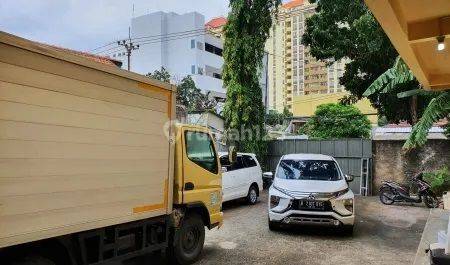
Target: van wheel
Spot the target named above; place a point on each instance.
(33, 260)
(189, 240)
(252, 196)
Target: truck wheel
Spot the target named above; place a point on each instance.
(33, 260)
(252, 196)
(189, 240)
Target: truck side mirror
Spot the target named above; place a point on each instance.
(232, 154)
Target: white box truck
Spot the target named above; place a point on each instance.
(91, 170)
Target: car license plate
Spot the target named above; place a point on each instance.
(311, 205)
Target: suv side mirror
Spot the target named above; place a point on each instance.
(232, 154)
(349, 178)
(268, 175)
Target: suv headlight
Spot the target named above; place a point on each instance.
(340, 193)
(274, 201)
(279, 202)
(348, 204)
(343, 207)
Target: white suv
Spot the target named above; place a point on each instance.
(242, 179)
(310, 189)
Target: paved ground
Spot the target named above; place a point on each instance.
(383, 235)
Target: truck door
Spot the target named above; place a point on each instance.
(202, 181)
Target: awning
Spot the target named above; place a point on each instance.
(415, 28)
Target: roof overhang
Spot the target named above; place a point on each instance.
(413, 27)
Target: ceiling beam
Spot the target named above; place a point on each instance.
(428, 29)
(393, 25)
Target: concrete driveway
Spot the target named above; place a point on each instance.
(383, 235)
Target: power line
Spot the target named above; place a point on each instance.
(159, 36)
(161, 39)
(103, 46)
(116, 49)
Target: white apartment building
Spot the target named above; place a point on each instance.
(180, 44)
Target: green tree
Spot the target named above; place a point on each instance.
(246, 32)
(273, 117)
(287, 113)
(438, 107)
(345, 29)
(331, 121)
(188, 94)
(161, 75)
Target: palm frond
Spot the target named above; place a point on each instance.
(399, 73)
(399, 79)
(380, 82)
(438, 108)
(418, 92)
(400, 66)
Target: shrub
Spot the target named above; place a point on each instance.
(439, 180)
(332, 121)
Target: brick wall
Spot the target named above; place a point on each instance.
(391, 163)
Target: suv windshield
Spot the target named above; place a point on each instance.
(308, 170)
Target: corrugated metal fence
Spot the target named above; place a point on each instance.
(353, 155)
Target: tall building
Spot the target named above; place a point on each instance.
(179, 43)
(216, 27)
(275, 71)
(293, 71)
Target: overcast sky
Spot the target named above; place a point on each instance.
(87, 24)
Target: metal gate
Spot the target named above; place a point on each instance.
(353, 155)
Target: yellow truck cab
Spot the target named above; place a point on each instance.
(197, 189)
(93, 169)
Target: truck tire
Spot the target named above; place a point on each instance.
(33, 260)
(189, 240)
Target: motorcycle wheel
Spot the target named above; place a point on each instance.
(431, 201)
(386, 196)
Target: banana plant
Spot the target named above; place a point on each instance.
(438, 108)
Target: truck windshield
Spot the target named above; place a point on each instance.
(308, 170)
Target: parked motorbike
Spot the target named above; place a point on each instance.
(391, 192)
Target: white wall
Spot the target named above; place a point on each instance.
(165, 41)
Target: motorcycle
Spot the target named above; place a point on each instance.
(391, 192)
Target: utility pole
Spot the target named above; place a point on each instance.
(129, 46)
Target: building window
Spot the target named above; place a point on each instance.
(213, 49)
(193, 69)
(216, 75)
(200, 70)
(192, 44)
(199, 45)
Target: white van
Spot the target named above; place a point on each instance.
(242, 179)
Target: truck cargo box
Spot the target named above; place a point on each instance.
(82, 144)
